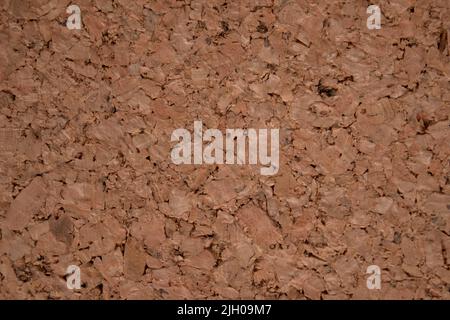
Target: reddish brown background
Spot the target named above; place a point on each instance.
(86, 176)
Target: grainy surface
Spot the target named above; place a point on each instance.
(87, 179)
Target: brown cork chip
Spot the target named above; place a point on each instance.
(87, 178)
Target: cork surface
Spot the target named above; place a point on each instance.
(85, 142)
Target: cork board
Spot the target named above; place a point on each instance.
(87, 178)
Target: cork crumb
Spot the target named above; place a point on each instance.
(356, 202)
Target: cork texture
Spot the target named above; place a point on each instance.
(85, 149)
